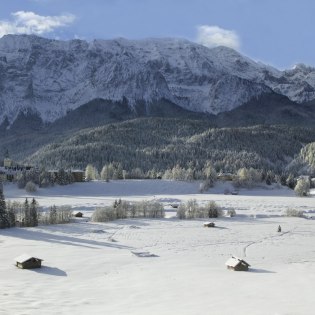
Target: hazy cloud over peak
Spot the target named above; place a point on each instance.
(213, 36)
(24, 22)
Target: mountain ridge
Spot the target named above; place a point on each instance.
(52, 77)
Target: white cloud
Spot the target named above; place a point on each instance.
(31, 23)
(213, 36)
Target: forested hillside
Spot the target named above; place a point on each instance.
(160, 144)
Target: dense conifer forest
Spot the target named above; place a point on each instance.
(160, 144)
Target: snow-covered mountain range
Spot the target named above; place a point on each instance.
(51, 77)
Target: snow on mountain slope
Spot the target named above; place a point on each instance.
(52, 77)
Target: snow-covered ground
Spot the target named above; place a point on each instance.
(96, 268)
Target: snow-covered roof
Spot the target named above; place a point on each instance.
(234, 261)
(25, 257)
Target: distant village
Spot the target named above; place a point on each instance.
(10, 171)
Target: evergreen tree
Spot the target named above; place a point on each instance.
(53, 215)
(118, 171)
(69, 177)
(210, 174)
(27, 218)
(44, 179)
(22, 180)
(270, 177)
(61, 177)
(11, 214)
(290, 181)
(4, 222)
(33, 213)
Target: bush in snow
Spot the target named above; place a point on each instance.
(188, 210)
(30, 187)
(103, 214)
(150, 209)
(181, 211)
(191, 210)
(294, 213)
(302, 187)
(213, 210)
(231, 213)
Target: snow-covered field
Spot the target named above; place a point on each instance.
(93, 267)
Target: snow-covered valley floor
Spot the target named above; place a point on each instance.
(91, 268)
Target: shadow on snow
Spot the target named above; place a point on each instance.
(52, 271)
(27, 234)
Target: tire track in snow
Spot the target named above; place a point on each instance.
(265, 239)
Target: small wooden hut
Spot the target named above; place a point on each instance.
(26, 261)
(78, 175)
(237, 264)
(209, 224)
(78, 215)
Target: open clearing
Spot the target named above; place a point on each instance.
(162, 266)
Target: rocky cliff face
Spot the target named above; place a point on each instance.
(51, 77)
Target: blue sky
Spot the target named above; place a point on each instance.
(277, 32)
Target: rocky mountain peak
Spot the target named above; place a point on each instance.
(51, 77)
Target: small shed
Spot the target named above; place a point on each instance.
(78, 215)
(78, 175)
(26, 261)
(237, 264)
(209, 224)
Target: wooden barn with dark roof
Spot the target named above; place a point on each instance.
(26, 261)
(237, 264)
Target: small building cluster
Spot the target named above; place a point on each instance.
(77, 175)
(10, 171)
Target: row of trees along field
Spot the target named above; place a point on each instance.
(244, 177)
(43, 178)
(28, 214)
(121, 209)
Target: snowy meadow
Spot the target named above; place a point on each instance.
(162, 266)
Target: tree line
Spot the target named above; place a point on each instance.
(28, 214)
(122, 209)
